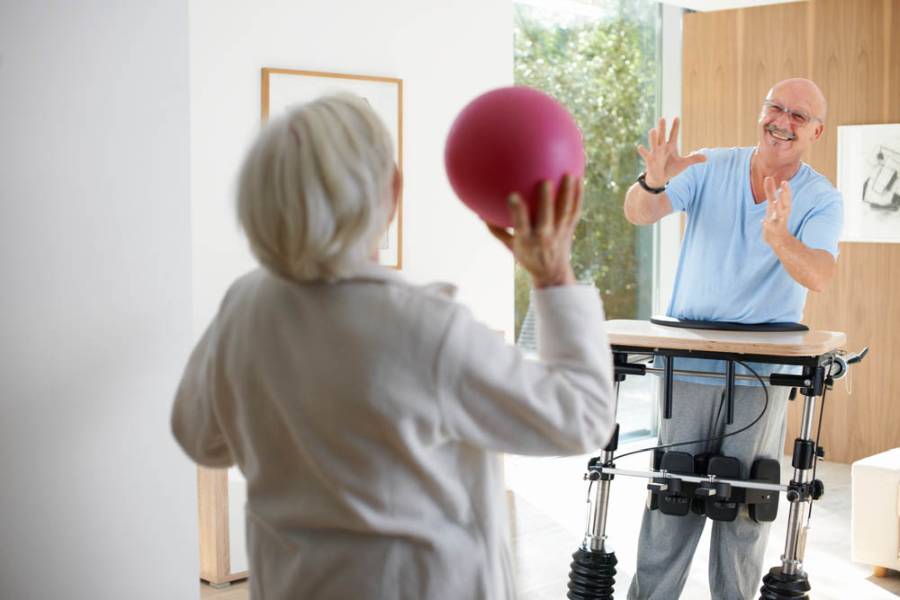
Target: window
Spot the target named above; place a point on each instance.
(601, 60)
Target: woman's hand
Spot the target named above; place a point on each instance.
(544, 248)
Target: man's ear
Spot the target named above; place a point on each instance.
(820, 129)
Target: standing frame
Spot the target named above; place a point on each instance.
(283, 88)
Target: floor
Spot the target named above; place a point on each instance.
(550, 511)
(549, 493)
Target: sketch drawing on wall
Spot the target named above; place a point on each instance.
(869, 179)
(881, 188)
(283, 88)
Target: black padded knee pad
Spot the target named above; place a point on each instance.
(676, 500)
(701, 463)
(653, 499)
(766, 470)
(718, 508)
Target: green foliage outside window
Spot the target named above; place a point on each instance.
(605, 72)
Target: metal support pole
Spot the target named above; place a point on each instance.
(592, 572)
(795, 541)
(595, 536)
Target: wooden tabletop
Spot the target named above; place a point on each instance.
(644, 334)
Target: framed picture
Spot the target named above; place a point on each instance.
(283, 88)
(869, 179)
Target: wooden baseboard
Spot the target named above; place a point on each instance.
(228, 578)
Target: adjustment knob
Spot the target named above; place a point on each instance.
(816, 489)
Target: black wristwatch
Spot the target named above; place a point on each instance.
(642, 180)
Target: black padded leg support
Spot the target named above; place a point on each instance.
(765, 469)
(779, 586)
(701, 466)
(592, 575)
(677, 499)
(721, 507)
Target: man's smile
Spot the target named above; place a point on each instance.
(780, 134)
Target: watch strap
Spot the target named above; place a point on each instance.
(642, 181)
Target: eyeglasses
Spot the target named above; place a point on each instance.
(797, 117)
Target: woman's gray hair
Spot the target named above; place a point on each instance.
(314, 190)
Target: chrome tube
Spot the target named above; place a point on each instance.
(792, 559)
(740, 483)
(595, 536)
(795, 540)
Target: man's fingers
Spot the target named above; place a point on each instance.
(769, 187)
(785, 199)
(651, 138)
(773, 206)
(645, 154)
(673, 137)
(695, 158)
(501, 234)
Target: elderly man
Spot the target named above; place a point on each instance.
(762, 229)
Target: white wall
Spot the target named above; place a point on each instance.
(96, 500)
(445, 52)
(99, 193)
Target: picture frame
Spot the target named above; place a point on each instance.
(282, 88)
(868, 176)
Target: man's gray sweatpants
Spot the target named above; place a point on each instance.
(666, 544)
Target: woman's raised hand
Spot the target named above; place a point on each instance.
(544, 248)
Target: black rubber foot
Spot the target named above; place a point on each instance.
(779, 586)
(593, 575)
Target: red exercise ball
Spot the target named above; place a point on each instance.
(510, 140)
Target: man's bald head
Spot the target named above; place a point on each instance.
(804, 90)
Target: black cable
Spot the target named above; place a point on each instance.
(711, 439)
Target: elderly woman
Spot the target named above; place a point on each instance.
(367, 414)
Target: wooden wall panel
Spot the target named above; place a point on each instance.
(848, 63)
(862, 302)
(851, 62)
(763, 64)
(892, 43)
(710, 81)
(852, 51)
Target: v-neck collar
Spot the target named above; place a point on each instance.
(748, 188)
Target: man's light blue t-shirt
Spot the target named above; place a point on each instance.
(726, 271)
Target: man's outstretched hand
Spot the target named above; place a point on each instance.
(778, 210)
(662, 160)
